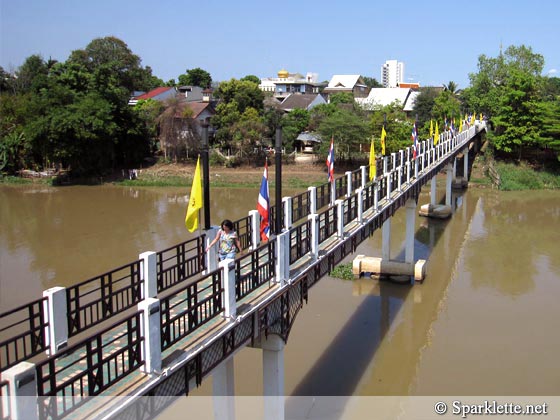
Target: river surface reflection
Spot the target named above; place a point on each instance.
(484, 322)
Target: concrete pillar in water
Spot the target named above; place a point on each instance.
(433, 191)
(223, 385)
(273, 377)
(449, 181)
(386, 239)
(410, 220)
(376, 265)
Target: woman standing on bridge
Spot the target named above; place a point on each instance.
(229, 241)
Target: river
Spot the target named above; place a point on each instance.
(484, 321)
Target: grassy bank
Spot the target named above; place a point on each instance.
(516, 177)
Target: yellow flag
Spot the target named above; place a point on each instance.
(383, 135)
(195, 200)
(436, 134)
(372, 166)
(460, 126)
(431, 129)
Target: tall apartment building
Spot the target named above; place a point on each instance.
(392, 73)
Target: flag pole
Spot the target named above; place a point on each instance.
(206, 175)
(278, 187)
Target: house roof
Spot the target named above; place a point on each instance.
(384, 96)
(309, 137)
(345, 81)
(196, 107)
(296, 101)
(152, 94)
(410, 101)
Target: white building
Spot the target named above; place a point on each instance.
(392, 73)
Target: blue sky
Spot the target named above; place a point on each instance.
(439, 41)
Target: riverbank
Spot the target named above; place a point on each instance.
(511, 176)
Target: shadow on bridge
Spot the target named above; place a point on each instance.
(341, 367)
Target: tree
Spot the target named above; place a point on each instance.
(196, 77)
(294, 123)
(251, 78)
(424, 105)
(372, 82)
(348, 129)
(451, 87)
(398, 129)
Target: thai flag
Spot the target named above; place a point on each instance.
(330, 161)
(414, 138)
(263, 205)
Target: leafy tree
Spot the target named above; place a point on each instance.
(423, 107)
(251, 78)
(398, 129)
(348, 128)
(294, 123)
(372, 82)
(196, 77)
(446, 106)
(342, 98)
(248, 132)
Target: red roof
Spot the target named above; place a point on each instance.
(153, 93)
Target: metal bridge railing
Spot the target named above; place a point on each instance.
(180, 262)
(25, 327)
(99, 298)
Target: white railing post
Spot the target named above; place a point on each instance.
(360, 198)
(394, 161)
(228, 278)
(288, 205)
(399, 185)
(314, 218)
(21, 401)
(282, 258)
(389, 186)
(364, 176)
(55, 308)
(255, 218)
(339, 218)
(151, 331)
(376, 197)
(384, 165)
(348, 183)
(148, 272)
(312, 200)
(211, 254)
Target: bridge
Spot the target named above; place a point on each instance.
(161, 324)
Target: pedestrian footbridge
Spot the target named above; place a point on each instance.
(159, 325)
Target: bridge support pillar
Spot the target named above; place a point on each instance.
(148, 272)
(211, 256)
(386, 239)
(56, 310)
(433, 191)
(255, 230)
(410, 222)
(273, 377)
(448, 183)
(228, 276)
(21, 401)
(223, 385)
(151, 330)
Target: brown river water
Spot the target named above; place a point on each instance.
(484, 321)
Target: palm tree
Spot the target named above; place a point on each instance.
(451, 87)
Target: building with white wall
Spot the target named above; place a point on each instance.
(392, 73)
